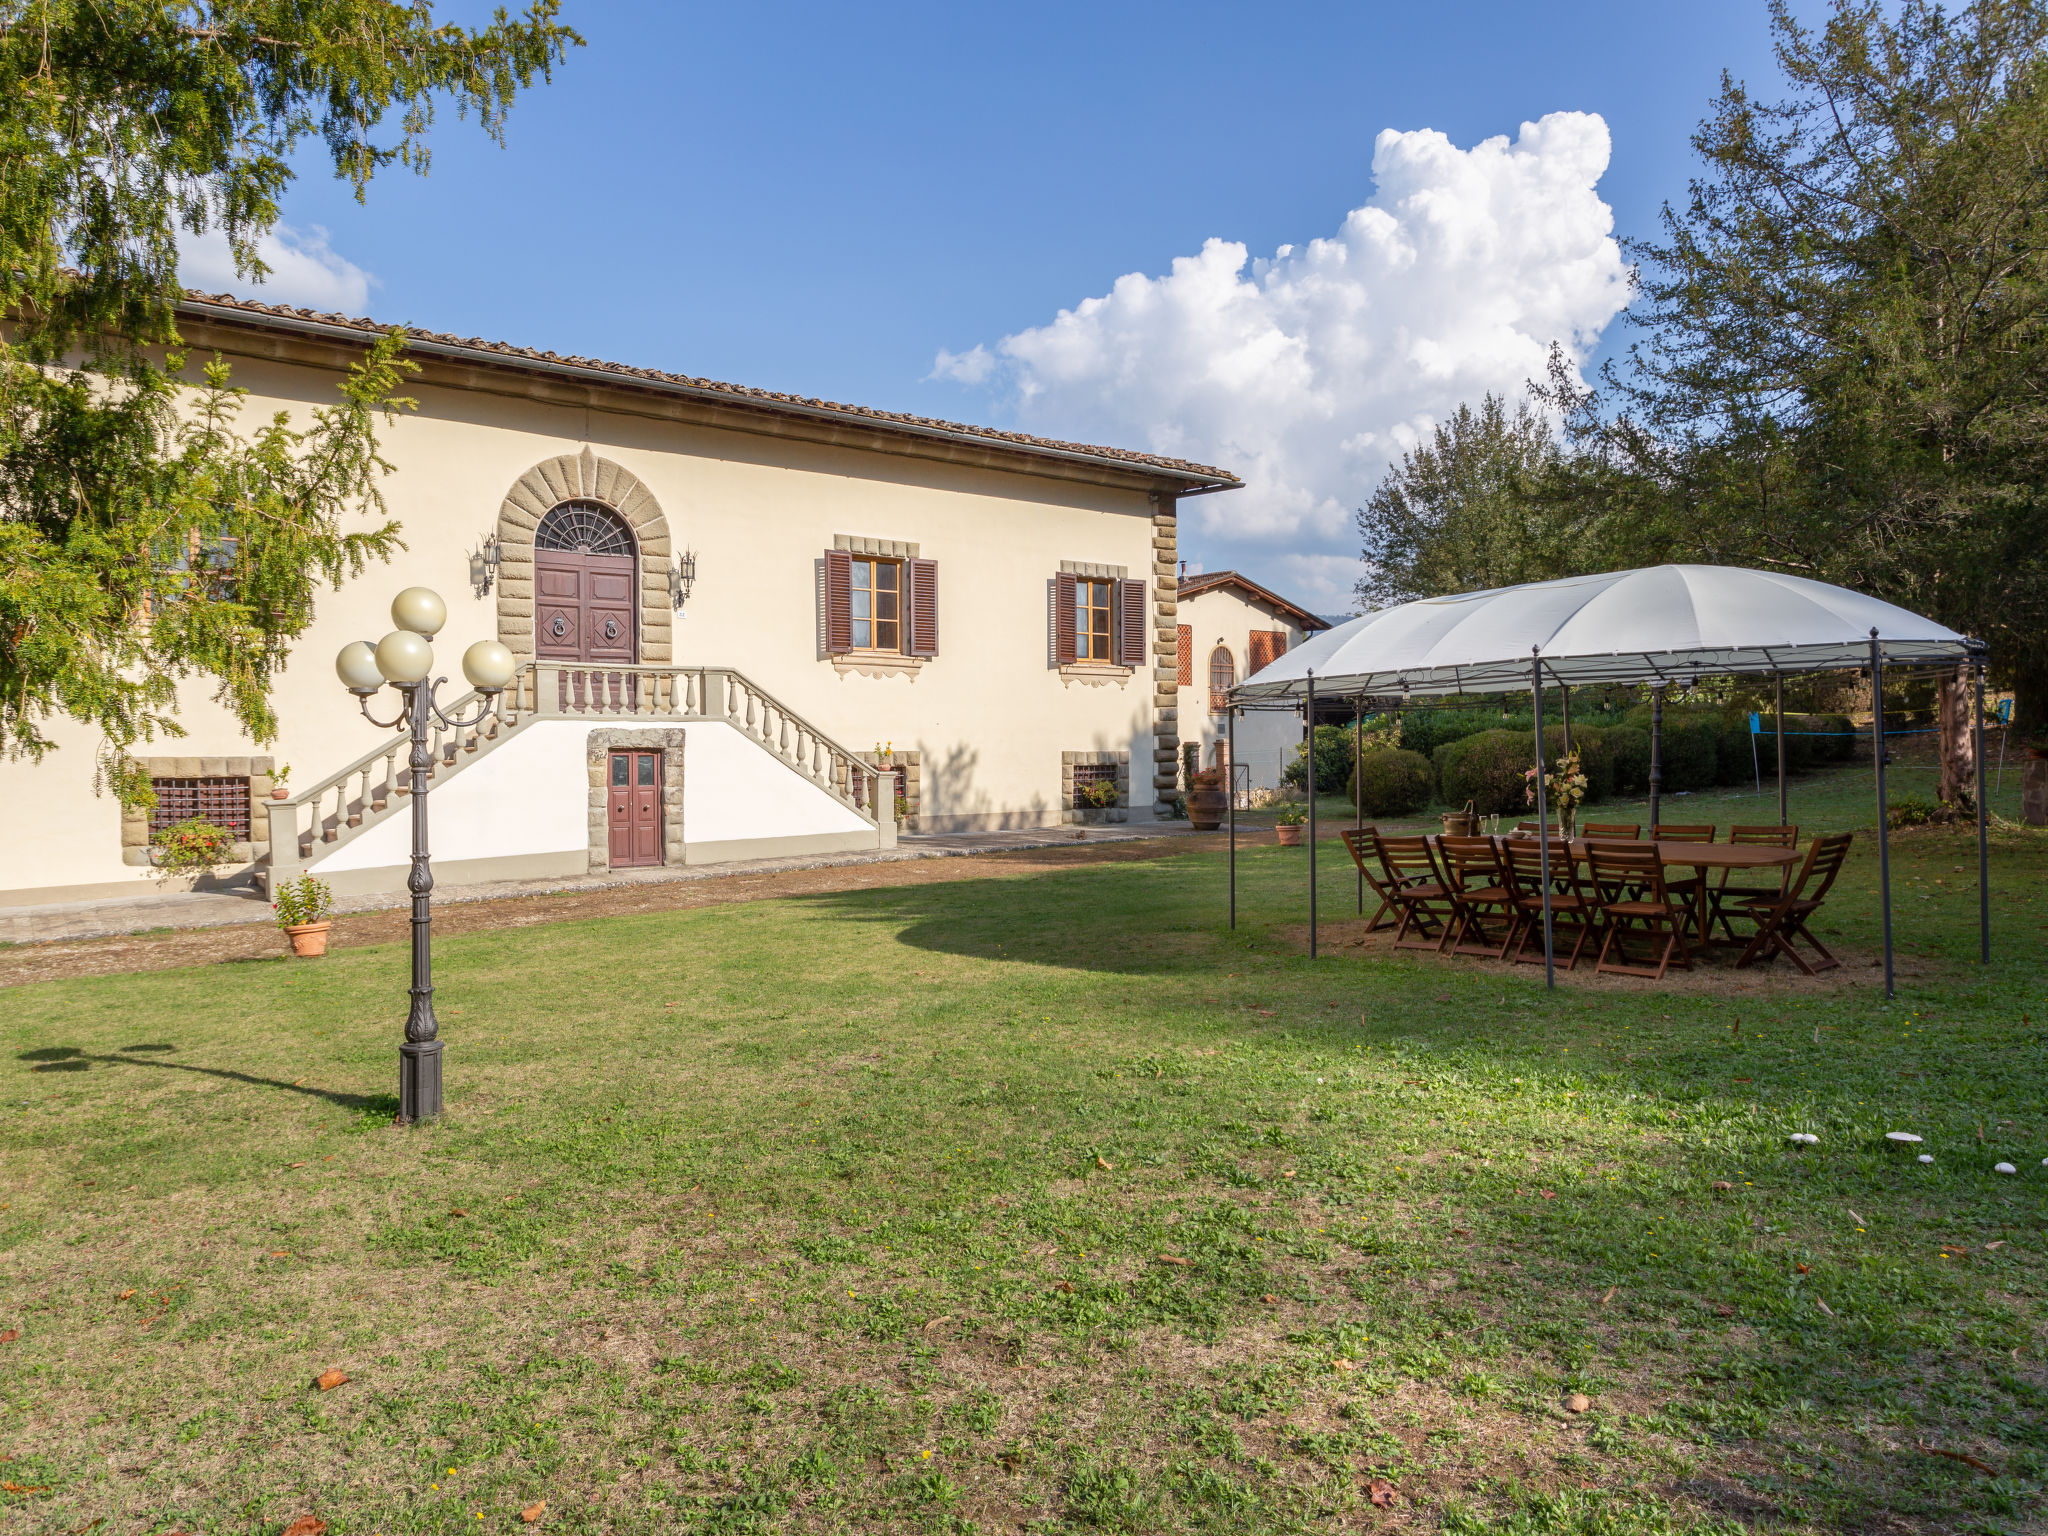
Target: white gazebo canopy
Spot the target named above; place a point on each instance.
(1663, 624)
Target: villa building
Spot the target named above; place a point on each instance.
(1229, 627)
(748, 624)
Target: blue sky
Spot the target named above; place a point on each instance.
(822, 198)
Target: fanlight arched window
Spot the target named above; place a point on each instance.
(584, 528)
(1222, 678)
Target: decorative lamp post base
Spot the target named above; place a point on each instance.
(419, 1081)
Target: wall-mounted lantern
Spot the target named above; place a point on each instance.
(483, 566)
(681, 578)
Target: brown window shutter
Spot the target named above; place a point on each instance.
(923, 607)
(1130, 619)
(1063, 619)
(1184, 642)
(1262, 647)
(838, 602)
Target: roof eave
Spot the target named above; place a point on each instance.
(1182, 482)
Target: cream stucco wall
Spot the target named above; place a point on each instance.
(1266, 740)
(988, 713)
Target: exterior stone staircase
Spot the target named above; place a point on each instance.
(307, 826)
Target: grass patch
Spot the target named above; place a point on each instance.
(1039, 1204)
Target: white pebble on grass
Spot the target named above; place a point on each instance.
(1904, 1138)
(1924, 1157)
(1806, 1138)
(2003, 1168)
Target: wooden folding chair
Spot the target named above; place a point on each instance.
(1725, 896)
(1358, 843)
(1611, 830)
(1572, 908)
(1418, 889)
(1692, 888)
(1483, 904)
(1784, 919)
(1634, 901)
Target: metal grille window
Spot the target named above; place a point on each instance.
(1093, 773)
(223, 802)
(583, 527)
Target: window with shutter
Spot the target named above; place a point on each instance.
(1130, 605)
(1065, 641)
(923, 607)
(1184, 644)
(1264, 646)
(838, 602)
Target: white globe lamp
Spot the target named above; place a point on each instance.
(404, 657)
(489, 666)
(356, 666)
(420, 610)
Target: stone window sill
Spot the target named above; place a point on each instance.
(1095, 674)
(880, 664)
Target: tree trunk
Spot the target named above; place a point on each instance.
(1954, 706)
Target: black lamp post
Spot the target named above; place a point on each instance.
(404, 659)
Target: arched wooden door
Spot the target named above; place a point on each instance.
(586, 586)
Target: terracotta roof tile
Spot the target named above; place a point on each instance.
(769, 399)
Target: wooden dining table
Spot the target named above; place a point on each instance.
(1700, 856)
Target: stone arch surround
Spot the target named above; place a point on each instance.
(582, 477)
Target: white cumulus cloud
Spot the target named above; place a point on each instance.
(305, 270)
(1307, 372)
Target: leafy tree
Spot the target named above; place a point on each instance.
(144, 537)
(1465, 510)
(1845, 371)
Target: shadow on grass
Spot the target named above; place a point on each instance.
(69, 1058)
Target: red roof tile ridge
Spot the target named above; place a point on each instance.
(718, 386)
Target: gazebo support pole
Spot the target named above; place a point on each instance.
(1311, 814)
(1884, 838)
(1783, 819)
(1542, 822)
(1983, 845)
(1656, 753)
(1230, 800)
(1358, 785)
(1564, 691)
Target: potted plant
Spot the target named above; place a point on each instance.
(280, 776)
(1099, 795)
(1208, 804)
(1288, 824)
(303, 907)
(189, 850)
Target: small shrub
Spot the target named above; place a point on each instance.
(1425, 730)
(1391, 782)
(1487, 769)
(1333, 760)
(1919, 811)
(191, 847)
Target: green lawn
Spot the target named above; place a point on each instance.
(856, 1213)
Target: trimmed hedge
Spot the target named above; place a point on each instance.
(1394, 782)
(1628, 758)
(1487, 769)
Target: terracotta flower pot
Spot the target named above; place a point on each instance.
(308, 939)
(1207, 808)
(279, 792)
(1289, 834)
